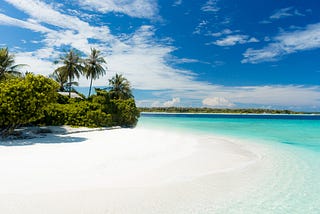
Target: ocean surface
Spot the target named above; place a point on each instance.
(293, 182)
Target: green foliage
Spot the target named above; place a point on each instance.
(22, 100)
(125, 112)
(98, 111)
(71, 67)
(33, 99)
(76, 113)
(7, 65)
(120, 87)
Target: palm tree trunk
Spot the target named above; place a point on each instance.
(90, 87)
(69, 86)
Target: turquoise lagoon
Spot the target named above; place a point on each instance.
(291, 185)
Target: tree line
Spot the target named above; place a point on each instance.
(215, 110)
(29, 99)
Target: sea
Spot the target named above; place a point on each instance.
(293, 183)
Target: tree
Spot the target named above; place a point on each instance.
(120, 87)
(7, 64)
(58, 76)
(94, 66)
(72, 67)
(62, 79)
(22, 100)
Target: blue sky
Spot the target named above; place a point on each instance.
(213, 53)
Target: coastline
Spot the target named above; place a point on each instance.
(255, 114)
(121, 161)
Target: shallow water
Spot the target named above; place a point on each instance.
(292, 184)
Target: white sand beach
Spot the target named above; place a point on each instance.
(125, 171)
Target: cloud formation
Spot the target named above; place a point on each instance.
(232, 40)
(284, 44)
(210, 6)
(285, 12)
(174, 102)
(134, 8)
(177, 3)
(217, 102)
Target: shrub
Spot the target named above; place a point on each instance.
(22, 100)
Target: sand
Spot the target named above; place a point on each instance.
(125, 171)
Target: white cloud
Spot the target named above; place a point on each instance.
(235, 39)
(175, 101)
(282, 13)
(133, 8)
(286, 43)
(202, 25)
(221, 33)
(35, 64)
(6, 20)
(144, 61)
(44, 13)
(177, 2)
(210, 6)
(285, 12)
(217, 102)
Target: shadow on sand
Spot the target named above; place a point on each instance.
(41, 135)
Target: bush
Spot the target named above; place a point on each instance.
(125, 112)
(76, 113)
(22, 100)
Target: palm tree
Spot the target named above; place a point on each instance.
(120, 87)
(71, 68)
(93, 66)
(62, 79)
(7, 65)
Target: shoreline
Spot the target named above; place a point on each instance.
(255, 114)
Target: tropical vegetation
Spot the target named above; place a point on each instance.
(94, 67)
(35, 100)
(8, 68)
(120, 87)
(23, 100)
(71, 67)
(216, 110)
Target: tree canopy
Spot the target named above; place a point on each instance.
(120, 87)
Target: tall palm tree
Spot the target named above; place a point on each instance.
(120, 87)
(71, 68)
(94, 66)
(7, 64)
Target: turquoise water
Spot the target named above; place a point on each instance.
(294, 182)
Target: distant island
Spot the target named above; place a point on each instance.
(220, 110)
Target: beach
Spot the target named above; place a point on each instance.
(126, 171)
